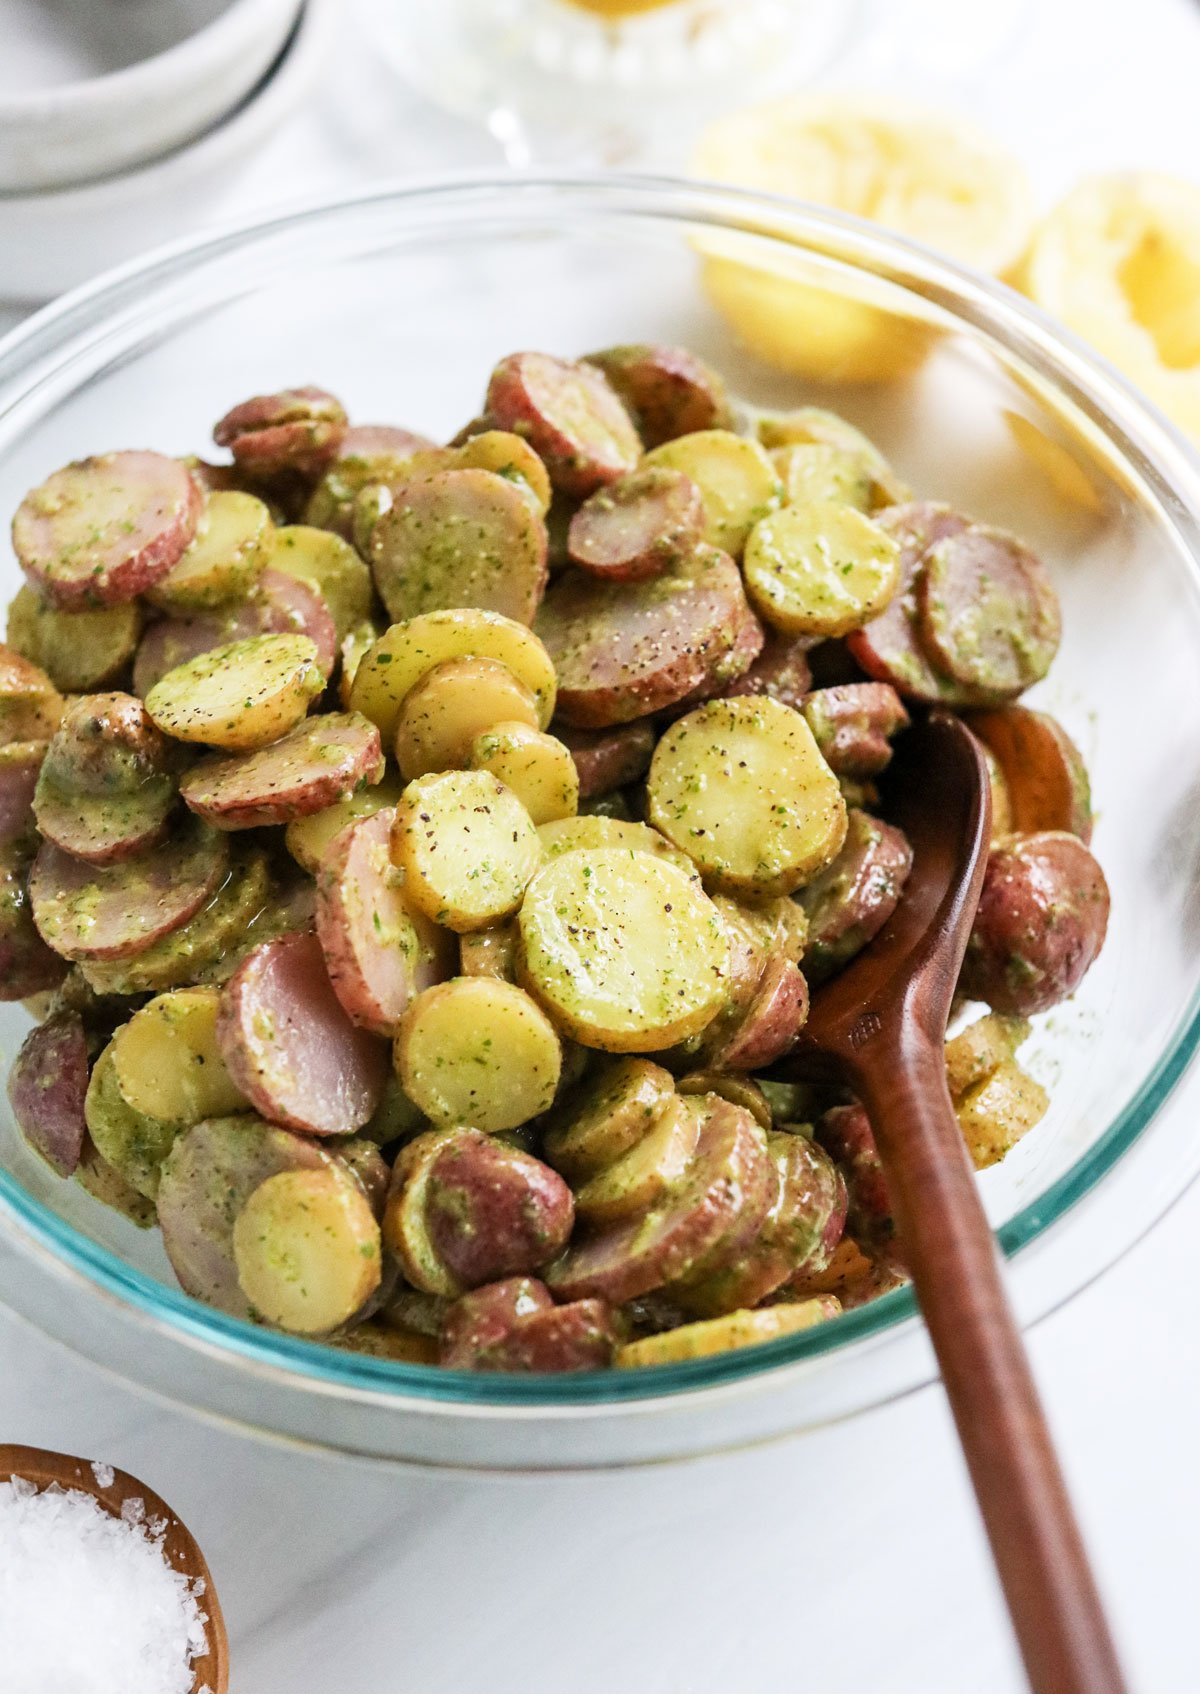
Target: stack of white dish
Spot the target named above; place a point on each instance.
(123, 122)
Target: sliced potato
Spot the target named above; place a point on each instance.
(815, 426)
(94, 1174)
(595, 1129)
(593, 829)
(489, 952)
(736, 478)
(509, 456)
(405, 1231)
(820, 569)
(355, 646)
(222, 562)
(479, 1052)
(738, 1090)
(741, 786)
(307, 1249)
(308, 839)
(721, 1335)
(536, 766)
(240, 696)
(451, 705)
(649, 1170)
(813, 470)
(168, 1063)
(79, 651)
(406, 651)
(623, 948)
(30, 705)
(467, 846)
(133, 1144)
(997, 1112)
(975, 1052)
(331, 566)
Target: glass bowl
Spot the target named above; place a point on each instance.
(401, 300)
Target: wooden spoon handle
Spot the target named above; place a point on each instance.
(956, 1271)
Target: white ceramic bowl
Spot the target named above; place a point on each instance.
(89, 90)
(51, 242)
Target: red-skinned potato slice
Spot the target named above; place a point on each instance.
(106, 528)
(107, 788)
(638, 526)
(989, 616)
(207, 1177)
(480, 1319)
(668, 391)
(607, 758)
(803, 1225)
(623, 650)
(579, 1336)
(890, 648)
(20, 762)
(46, 1088)
(1042, 919)
(103, 829)
(772, 1023)
(724, 678)
(730, 1174)
(296, 429)
(279, 605)
(88, 911)
(319, 762)
(27, 965)
(569, 414)
(290, 1047)
(852, 899)
(779, 670)
(492, 1211)
(853, 724)
(381, 952)
(845, 1133)
(1043, 770)
(459, 538)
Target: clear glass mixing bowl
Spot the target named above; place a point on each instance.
(401, 300)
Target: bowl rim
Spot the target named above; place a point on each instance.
(1146, 439)
(189, 62)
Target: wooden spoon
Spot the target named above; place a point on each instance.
(180, 1549)
(879, 1027)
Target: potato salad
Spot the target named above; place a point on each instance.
(418, 858)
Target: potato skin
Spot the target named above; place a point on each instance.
(46, 1089)
(492, 1212)
(1042, 919)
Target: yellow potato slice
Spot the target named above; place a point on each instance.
(330, 565)
(735, 476)
(722, 1335)
(507, 455)
(536, 766)
(79, 651)
(168, 1063)
(467, 846)
(309, 839)
(815, 426)
(594, 829)
(649, 1170)
(489, 952)
(240, 696)
(405, 652)
(924, 175)
(404, 1232)
(451, 705)
(623, 948)
(738, 1090)
(812, 470)
(479, 1052)
(308, 1249)
(741, 786)
(1119, 262)
(30, 705)
(821, 569)
(223, 561)
(615, 1111)
(975, 1052)
(130, 1143)
(355, 646)
(997, 1112)
(98, 1178)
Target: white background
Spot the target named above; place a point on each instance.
(843, 1561)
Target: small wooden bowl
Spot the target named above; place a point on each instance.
(179, 1546)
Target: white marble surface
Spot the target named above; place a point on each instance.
(847, 1559)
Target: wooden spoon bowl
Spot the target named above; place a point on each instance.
(180, 1549)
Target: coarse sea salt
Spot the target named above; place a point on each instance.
(88, 1602)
